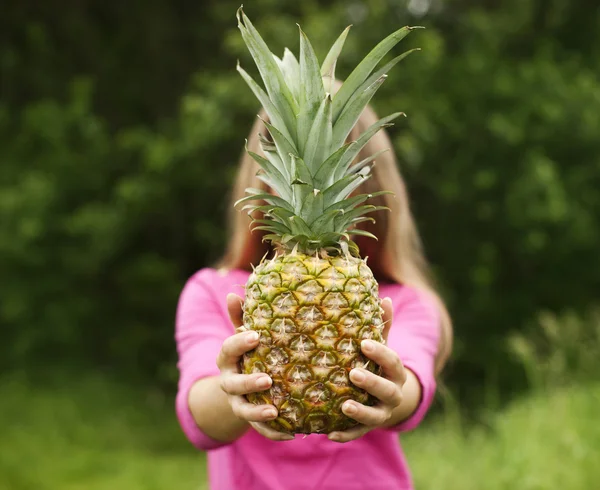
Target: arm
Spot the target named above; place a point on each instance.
(415, 336)
(210, 404)
(212, 412)
(406, 388)
(411, 398)
(218, 404)
(200, 330)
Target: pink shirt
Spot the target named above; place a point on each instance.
(253, 462)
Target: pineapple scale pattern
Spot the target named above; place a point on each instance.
(312, 314)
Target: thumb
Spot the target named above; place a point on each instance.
(387, 317)
(234, 307)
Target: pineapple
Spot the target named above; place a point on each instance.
(315, 299)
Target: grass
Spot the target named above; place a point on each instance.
(96, 433)
(545, 441)
(92, 434)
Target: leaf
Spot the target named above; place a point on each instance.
(271, 183)
(269, 70)
(279, 183)
(328, 239)
(362, 219)
(319, 138)
(312, 206)
(352, 186)
(301, 171)
(333, 192)
(325, 221)
(351, 202)
(328, 66)
(359, 211)
(254, 190)
(352, 112)
(275, 226)
(284, 146)
(282, 213)
(312, 91)
(299, 226)
(302, 182)
(291, 72)
(386, 68)
(358, 231)
(356, 167)
(325, 172)
(265, 196)
(276, 161)
(362, 140)
(272, 238)
(364, 69)
(263, 98)
(267, 145)
(271, 227)
(343, 221)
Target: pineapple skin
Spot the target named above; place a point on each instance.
(311, 313)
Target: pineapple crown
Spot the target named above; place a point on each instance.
(308, 163)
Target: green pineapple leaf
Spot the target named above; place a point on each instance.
(328, 66)
(299, 226)
(319, 136)
(284, 146)
(309, 170)
(269, 70)
(338, 190)
(312, 91)
(357, 166)
(358, 145)
(386, 68)
(272, 111)
(351, 202)
(324, 221)
(352, 112)
(326, 170)
(312, 206)
(358, 231)
(276, 180)
(364, 69)
(343, 221)
(260, 195)
(276, 224)
(291, 72)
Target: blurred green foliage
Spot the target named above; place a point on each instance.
(121, 126)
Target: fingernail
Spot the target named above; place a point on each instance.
(367, 345)
(334, 437)
(263, 382)
(357, 375)
(269, 413)
(252, 337)
(349, 408)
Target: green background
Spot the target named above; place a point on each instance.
(121, 125)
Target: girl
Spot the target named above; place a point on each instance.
(243, 452)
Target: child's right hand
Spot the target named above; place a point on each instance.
(236, 385)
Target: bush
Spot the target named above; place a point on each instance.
(563, 349)
(116, 167)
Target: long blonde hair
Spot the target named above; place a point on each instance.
(397, 256)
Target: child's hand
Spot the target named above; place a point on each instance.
(236, 385)
(386, 388)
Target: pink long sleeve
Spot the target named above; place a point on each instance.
(415, 335)
(202, 325)
(253, 462)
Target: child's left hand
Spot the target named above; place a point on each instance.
(386, 388)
